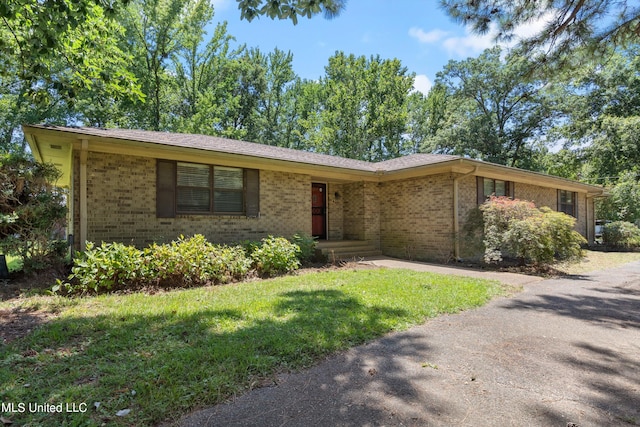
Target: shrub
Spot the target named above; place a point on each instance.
(32, 212)
(108, 266)
(517, 228)
(185, 262)
(622, 234)
(307, 245)
(276, 255)
(195, 261)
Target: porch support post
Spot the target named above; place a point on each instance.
(83, 194)
(456, 209)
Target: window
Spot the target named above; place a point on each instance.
(488, 187)
(192, 188)
(567, 202)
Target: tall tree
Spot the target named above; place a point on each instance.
(279, 76)
(38, 35)
(66, 76)
(154, 29)
(602, 106)
(568, 24)
(493, 113)
(365, 111)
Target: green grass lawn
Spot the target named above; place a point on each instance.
(163, 355)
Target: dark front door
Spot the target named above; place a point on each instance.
(319, 210)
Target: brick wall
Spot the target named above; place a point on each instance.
(416, 218)
(541, 196)
(121, 206)
(335, 208)
(353, 215)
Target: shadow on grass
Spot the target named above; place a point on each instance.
(165, 365)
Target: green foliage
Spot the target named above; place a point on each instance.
(32, 212)
(185, 262)
(195, 261)
(289, 9)
(568, 25)
(621, 233)
(494, 109)
(106, 267)
(307, 244)
(276, 255)
(518, 229)
(623, 202)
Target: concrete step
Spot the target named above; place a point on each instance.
(341, 250)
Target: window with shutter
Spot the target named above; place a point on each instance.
(192, 188)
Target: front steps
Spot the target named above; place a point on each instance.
(345, 250)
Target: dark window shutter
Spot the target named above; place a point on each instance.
(511, 189)
(559, 207)
(480, 182)
(166, 189)
(252, 192)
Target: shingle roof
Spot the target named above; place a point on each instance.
(231, 146)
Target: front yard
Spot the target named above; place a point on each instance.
(140, 358)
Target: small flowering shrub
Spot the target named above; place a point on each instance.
(518, 229)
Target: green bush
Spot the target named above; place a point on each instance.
(621, 233)
(518, 229)
(195, 261)
(276, 255)
(107, 267)
(307, 245)
(185, 262)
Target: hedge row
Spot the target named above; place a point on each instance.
(185, 262)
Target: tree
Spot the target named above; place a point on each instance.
(602, 109)
(426, 116)
(364, 114)
(44, 44)
(32, 212)
(569, 24)
(492, 112)
(623, 202)
(289, 9)
(153, 33)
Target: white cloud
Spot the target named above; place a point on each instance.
(469, 45)
(422, 83)
(430, 37)
(472, 44)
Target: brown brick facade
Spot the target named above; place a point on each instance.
(121, 192)
(410, 218)
(416, 218)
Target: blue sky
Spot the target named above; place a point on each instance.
(415, 31)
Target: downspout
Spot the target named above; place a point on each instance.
(83, 194)
(456, 222)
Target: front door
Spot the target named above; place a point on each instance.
(319, 210)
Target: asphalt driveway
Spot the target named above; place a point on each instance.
(563, 352)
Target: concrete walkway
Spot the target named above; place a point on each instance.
(564, 352)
